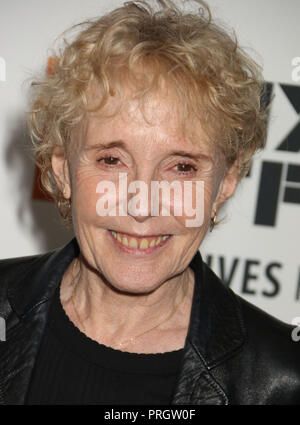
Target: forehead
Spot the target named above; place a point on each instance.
(156, 120)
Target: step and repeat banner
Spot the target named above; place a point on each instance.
(256, 247)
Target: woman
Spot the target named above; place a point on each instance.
(127, 312)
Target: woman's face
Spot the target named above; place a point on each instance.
(126, 249)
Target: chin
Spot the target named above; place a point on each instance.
(134, 284)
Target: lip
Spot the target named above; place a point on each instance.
(139, 236)
(136, 251)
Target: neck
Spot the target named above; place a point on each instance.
(93, 305)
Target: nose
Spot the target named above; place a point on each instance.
(139, 193)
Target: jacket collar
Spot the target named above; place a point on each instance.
(215, 331)
(38, 284)
(31, 283)
(216, 326)
(215, 334)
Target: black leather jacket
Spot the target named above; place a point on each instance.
(234, 352)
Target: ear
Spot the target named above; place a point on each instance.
(227, 187)
(61, 171)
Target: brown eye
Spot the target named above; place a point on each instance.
(185, 168)
(110, 160)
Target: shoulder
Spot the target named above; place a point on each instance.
(13, 268)
(261, 364)
(269, 358)
(16, 264)
(270, 336)
(264, 331)
(27, 281)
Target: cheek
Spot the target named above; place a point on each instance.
(84, 195)
(195, 204)
(199, 223)
(209, 196)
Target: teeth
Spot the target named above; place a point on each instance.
(152, 243)
(125, 241)
(158, 240)
(134, 243)
(144, 244)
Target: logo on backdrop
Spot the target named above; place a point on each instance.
(279, 184)
(280, 181)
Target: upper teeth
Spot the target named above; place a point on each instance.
(138, 243)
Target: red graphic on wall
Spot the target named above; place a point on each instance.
(38, 193)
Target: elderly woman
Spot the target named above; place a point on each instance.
(127, 312)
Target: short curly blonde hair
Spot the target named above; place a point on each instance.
(214, 79)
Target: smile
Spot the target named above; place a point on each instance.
(141, 243)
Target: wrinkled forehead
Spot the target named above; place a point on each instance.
(156, 110)
(150, 112)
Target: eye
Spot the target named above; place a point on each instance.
(185, 168)
(109, 160)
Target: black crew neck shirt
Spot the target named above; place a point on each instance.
(74, 369)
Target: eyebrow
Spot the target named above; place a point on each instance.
(100, 145)
(120, 144)
(195, 156)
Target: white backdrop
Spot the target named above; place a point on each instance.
(262, 259)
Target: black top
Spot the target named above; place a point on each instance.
(73, 369)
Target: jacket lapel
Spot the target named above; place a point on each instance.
(18, 356)
(26, 317)
(215, 334)
(195, 385)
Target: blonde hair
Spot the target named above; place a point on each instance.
(214, 79)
